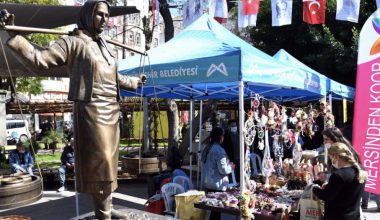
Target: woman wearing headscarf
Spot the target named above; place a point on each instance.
(94, 89)
(343, 192)
(215, 164)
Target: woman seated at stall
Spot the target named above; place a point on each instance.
(216, 165)
(343, 192)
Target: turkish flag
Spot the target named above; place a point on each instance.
(250, 7)
(154, 10)
(314, 11)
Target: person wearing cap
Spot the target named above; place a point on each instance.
(21, 160)
(67, 164)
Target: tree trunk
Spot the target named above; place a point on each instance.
(173, 122)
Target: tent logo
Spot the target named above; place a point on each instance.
(221, 68)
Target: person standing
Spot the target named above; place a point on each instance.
(343, 192)
(94, 90)
(67, 164)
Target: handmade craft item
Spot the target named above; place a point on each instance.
(267, 160)
(249, 130)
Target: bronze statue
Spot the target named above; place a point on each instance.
(94, 89)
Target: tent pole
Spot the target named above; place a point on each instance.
(241, 137)
(200, 140)
(330, 101)
(191, 137)
(146, 125)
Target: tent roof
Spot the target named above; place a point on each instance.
(337, 89)
(206, 61)
(40, 16)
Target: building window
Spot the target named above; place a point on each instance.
(131, 37)
(138, 39)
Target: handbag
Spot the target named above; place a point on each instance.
(310, 208)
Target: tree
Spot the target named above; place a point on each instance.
(330, 49)
(30, 85)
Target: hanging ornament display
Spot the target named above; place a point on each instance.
(249, 130)
(297, 151)
(278, 153)
(255, 103)
(260, 136)
(267, 165)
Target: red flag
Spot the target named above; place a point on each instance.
(250, 7)
(314, 11)
(154, 10)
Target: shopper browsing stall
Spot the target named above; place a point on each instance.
(216, 165)
(346, 185)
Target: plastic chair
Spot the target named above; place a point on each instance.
(184, 181)
(168, 191)
(255, 159)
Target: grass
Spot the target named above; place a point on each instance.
(49, 161)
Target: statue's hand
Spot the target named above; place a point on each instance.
(6, 18)
(143, 78)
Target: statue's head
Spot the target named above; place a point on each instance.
(94, 16)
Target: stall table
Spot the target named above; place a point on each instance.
(236, 212)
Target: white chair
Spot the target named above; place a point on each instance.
(184, 181)
(168, 191)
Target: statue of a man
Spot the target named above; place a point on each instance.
(94, 89)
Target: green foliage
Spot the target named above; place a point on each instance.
(40, 39)
(31, 85)
(331, 49)
(49, 161)
(52, 137)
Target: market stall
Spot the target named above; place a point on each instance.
(206, 61)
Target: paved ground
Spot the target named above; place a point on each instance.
(129, 196)
(61, 206)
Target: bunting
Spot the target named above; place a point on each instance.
(281, 12)
(347, 10)
(218, 9)
(245, 16)
(250, 7)
(314, 11)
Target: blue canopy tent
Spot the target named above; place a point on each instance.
(337, 90)
(206, 61)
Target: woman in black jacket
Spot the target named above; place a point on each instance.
(346, 185)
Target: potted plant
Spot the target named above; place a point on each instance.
(51, 139)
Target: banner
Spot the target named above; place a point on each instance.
(347, 10)
(247, 19)
(250, 7)
(281, 12)
(192, 10)
(218, 9)
(314, 11)
(224, 68)
(366, 128)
